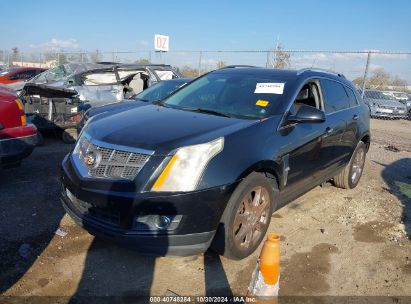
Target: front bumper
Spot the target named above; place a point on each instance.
(114, 215)
(13, 150)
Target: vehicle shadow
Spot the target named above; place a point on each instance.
(114, 273)
(29, 214)
(216, 282)
(398, 177)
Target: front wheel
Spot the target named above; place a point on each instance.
(246, 218)
(349, 177)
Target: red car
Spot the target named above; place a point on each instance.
(17, 138)
(16, 74)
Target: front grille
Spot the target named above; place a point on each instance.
(104, 162)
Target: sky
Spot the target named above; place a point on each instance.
(37, 26)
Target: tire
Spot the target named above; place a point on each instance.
(346, 179)
(228, 240)
(69, 136)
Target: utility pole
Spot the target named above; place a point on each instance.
(277, 46)
(199, 63)
(365, 74)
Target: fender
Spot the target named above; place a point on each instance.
(275, 168)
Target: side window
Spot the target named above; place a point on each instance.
(309, 95)
(28, 74)
(22, 75)
(335, 96)
(352, 97)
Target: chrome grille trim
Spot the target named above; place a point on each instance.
(114, 161)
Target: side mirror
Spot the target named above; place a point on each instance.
(307, 114)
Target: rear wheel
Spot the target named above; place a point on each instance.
(246, 218)
(350, 176)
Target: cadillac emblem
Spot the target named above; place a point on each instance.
(92, 159)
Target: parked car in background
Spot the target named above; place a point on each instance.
(402, 97)
(17, 138)
(384, 106)
(98, 84)
(156, 92)
(397, 95)
(208, 165)
(18, 74)
(53, 99)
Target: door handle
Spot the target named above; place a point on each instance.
(355, 117)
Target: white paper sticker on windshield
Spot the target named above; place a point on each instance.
(74, 110)
(269, 88)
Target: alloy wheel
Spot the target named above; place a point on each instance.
(357, 166)
(252, 218)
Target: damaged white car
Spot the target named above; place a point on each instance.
(55, 98)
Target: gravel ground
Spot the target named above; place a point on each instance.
(334, 241)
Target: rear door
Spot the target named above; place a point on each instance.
(337, 112)
(352, 133)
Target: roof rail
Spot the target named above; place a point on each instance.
(237, 66)
(319, 70)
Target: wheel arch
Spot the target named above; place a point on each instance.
(366, 139)
(270, 168)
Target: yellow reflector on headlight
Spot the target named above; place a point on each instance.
(162, 178)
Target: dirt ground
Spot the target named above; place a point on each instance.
(334, 241)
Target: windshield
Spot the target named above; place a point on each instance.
(230, 94)
(158, 91)
(54, 74)
(377, 95)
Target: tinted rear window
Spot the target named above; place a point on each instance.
(336, 97)
(352, 97)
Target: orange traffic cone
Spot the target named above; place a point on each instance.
(265, 279)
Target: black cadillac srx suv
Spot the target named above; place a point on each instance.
(208, 165)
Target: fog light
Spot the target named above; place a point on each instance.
(156, 222)
(162, 222)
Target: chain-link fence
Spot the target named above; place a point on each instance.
(385, 69)
(387, 72)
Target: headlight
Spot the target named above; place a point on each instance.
(185, 168)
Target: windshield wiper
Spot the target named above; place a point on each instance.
(207, 111)
(141, 99)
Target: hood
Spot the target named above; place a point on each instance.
(162, 129)
(17, 86)
(385, 102)
(113, 108)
